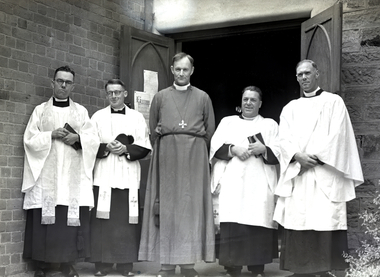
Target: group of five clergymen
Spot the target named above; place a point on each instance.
(82, 178)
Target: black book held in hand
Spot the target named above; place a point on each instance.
(76, 145)
(252, 139)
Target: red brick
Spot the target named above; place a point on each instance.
(6, 216)
(77, 50)
(43, 20)
(5, 51)
(17, 172)
(17, 215)
(15, 258)
(5, 259)
(22, 34)
(5, 172)
(15, 161)
(12, 248)
(3, 161)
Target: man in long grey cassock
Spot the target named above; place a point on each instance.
(181, 124)
(244, 178)
(320, 168)
(60, 148)
(115, 220)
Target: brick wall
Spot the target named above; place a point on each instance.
(36, 37)
(361, 92)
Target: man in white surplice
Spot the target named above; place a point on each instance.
(115, 219)
(320, 168)
(244, 175)
(60, 148)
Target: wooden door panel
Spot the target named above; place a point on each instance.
(321, 41)
(139, 51)
(155, 55)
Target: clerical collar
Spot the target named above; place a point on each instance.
(246, 118)
(316, 92)
(61, 102)
(121, 111)
(177, 87)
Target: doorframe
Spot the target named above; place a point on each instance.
(198, 35)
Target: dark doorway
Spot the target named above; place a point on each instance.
(224, 66)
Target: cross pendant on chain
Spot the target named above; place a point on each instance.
(182, 124)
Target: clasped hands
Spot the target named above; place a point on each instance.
(116, 147)
(65, 136)
(306, 161)
(243, 153)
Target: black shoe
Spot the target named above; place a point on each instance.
(233, 273)
(102, 269)
(126, 273)
(100, 273)
(39, 272)
(166, 273)
(191, 272)
(68, 270)
(125, 269)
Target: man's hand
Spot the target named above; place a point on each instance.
(257, 148)
(240, 152)
(59, 133)
(116, 147)
(70, 138)
(306, 161)
(158, 129)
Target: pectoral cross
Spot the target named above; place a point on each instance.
(182, 124)
(134, 201)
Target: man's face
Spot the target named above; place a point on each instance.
(307, 77)
(115, 95)
(182, 70)
(62, 84)
(250, 103)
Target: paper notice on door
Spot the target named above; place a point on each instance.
(150, 81)
(142, 103)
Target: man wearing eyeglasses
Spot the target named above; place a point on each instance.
(60, 149)
(320, 168)
(115, 219)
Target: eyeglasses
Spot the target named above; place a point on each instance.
(61, 82)
(114, 92)
(300, 75)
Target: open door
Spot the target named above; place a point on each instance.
(321, 41)
(139, 51)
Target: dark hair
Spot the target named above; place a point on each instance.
(65, 68)
(254, 88)
(180, 56)
(313, 64)
(114, 82)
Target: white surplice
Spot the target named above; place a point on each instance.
(116, 171)
(55, 173)
(316, 200)
(246, 187)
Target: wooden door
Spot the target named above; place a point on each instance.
(321, 41)
(139, 51)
